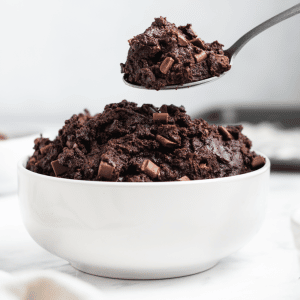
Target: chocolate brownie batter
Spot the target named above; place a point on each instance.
(167, 55)
(143, 144)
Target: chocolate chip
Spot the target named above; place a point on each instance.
(106, 171)
(200, 56)
(184, 178)
(151, 169)
(257, 162)
(182, 40)
(223, 131)
(165, 142)
(58, 168)
(161, 118)
(166, 65)
(45, 149)
(164, 109)
(198, 42)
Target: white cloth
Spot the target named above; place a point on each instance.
(45, 285)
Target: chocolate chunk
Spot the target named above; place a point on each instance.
(166, 65)
(223, 131)
(164, 109)
(182, 40)
(45, 149)
(200, 56)
(106, 171)
(165, 142)
(144, 65)
(184, 178)
(198, 42)
(151, 169)
(257, 162)
(58, 168)
(161, 118)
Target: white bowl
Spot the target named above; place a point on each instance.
(143, 230)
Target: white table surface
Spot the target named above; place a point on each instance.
(265, 269)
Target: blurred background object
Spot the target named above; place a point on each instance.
(275, 131)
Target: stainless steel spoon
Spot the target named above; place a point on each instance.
(236, 47)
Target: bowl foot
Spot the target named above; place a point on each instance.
(143, 274)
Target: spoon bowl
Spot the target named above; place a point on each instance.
(176, 86)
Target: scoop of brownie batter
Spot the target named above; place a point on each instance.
(131, 143)
(167, 55)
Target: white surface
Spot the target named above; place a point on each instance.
(58, 57)
(296, 230)
(143, 230)
(46, 285)
(265, 269)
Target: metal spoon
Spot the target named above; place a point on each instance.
(235, 48)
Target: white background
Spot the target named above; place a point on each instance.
(58, 57)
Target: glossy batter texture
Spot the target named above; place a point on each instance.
(166, 55)
(143, 144)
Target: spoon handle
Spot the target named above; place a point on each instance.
(239, 44)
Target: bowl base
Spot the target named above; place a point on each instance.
(146, 274)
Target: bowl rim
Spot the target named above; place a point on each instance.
(265, 168)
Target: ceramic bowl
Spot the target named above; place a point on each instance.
(143, 230)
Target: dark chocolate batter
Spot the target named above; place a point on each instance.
(131, 143)
(167, 55)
